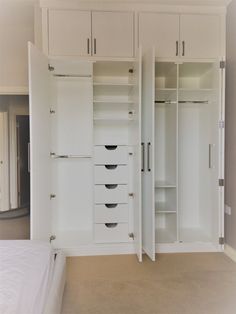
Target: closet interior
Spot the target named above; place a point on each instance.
(187, 98)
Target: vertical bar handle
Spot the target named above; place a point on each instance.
(148, 157)
(183, 51)
(143, 157)
(94, 45)
(88, 46)
(177, 48)
(29, 157)
(210, 156)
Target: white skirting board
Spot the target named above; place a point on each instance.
(230, 252)
(197, 247)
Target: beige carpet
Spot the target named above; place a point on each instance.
(14, 229)
(175, 284)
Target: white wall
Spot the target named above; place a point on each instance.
(231, 125)
(16, 29)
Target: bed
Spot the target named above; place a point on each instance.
(32, 278)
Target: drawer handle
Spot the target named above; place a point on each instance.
(111, 167)
(111, 147)
(111, 225)
(111, 205)
(111, 186)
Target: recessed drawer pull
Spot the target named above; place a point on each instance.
(111, 186)
(111, 205)
(111, 225)
(111, 147)
(111, 167)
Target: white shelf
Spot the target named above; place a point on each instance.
(113, 84)
(166, 89)
(195, 89)
(164, 184)
(112, 119)
(164, 208)
(112, 101)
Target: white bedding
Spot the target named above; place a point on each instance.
(26, 270)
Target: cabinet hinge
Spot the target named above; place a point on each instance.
(222, 64)
(52, 111)
(53, 237)
(221, 240)
(221, 182)
(131, 71)
(131, 235)
(131, 194)
(50, 68)
(221, 124)
(52, 196)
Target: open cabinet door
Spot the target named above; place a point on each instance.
(217, 154)
(148, 148)
(39, 98)
(136, 137)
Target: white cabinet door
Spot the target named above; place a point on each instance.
(200, 36)
(136, 143)
(148, 171)
(112, 34)
(40, 138)
(69, 33)
(160, 31)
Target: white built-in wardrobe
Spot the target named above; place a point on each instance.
(127, 145)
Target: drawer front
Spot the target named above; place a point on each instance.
(111, 174)
(105, 213)
(110, 155)
(111, 233)
(111, 193)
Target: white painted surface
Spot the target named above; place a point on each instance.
(111, 194)
(148, 116)
(16, 29)
(113, 33)
(201, 36)
(4, 168)
(111, 213)
(111, 174)
(69, 32)
(110, 155)
(160, 31)
(110, 233)
(39, 87)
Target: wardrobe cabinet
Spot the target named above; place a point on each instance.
(86, 33)
(183, 162)
(189, 36)
(85, 173)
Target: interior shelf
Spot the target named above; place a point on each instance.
(112, 101)
(164, 184)
(113, 84)
(164, 208)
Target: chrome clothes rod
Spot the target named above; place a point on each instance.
(54, 156)
(168, 102)
(72, 75)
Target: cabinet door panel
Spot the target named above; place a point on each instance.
(40, 166)
(201, 35)
(160, 31)
(112, 34)
(148, 116)
(69, 33)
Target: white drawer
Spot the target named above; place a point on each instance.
(111, 233)
(106, 213)
(113, 155)
(111, 174)
(111, 193)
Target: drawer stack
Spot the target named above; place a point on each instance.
(111, 194)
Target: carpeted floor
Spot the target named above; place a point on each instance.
(175, 284)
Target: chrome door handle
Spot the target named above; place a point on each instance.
(95, 46)
(177, 48)
(88, 46)
(183, 46)
(143, 157)
(148, 157)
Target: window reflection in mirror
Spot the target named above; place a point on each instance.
(14, 153)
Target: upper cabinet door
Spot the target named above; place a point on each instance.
(160, 31)
(112, 34)
(200, 36)
(69, 33)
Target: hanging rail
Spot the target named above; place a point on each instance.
(169, 102)
(55, 156)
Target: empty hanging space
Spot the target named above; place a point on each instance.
(198, 146)
(166, 151)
